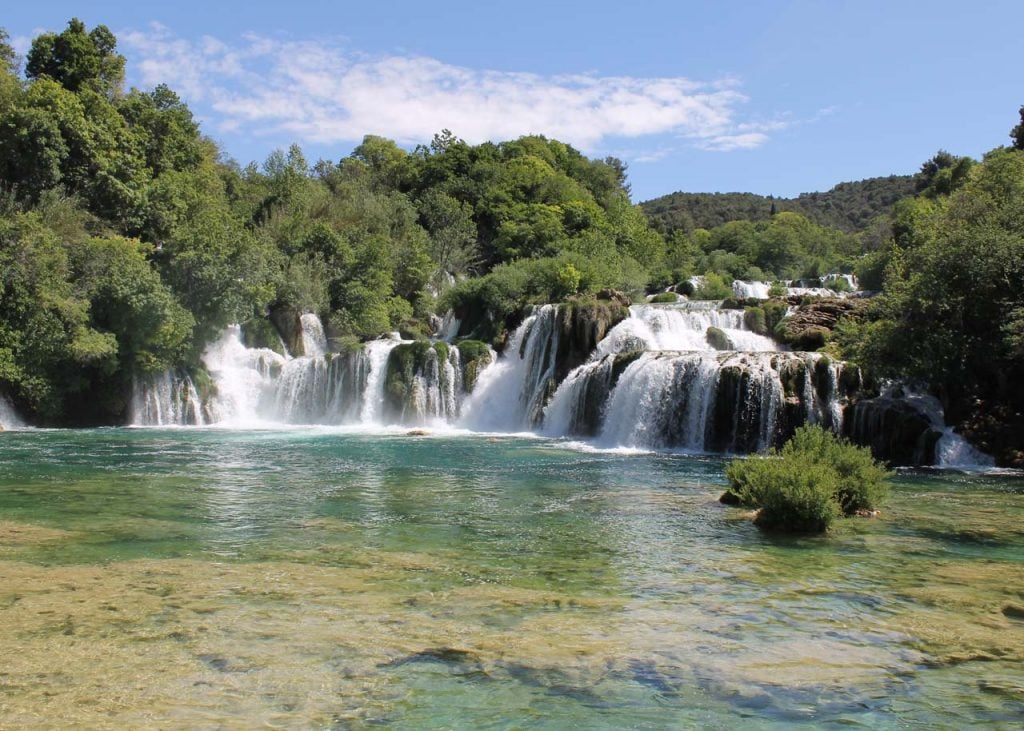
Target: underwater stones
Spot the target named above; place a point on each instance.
(1014, 611)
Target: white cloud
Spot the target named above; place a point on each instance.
(323, 92)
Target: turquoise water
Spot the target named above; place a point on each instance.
(211, 578)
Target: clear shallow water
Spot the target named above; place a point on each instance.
(210, 578)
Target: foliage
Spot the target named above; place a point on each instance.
(713, 287)
(813, 479)
(847, 207)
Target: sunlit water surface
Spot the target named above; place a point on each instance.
(209, 578)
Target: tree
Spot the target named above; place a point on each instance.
(76, 59)
(8, 57)
(1017, 133)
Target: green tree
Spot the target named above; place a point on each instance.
(77, 59)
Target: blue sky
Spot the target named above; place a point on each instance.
(774, 98)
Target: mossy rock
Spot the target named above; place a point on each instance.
(622, 362)
(754, 319)
(259, 332)
(287, 320)
(404, 361)
(717, 339)
(474, 357)
(583, 323)
(664, 298)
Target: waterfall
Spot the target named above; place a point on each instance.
(244, 379)
(681, 327)
(9, 418)
(435, 390)
(655, 381)
(166, 399)
(751, 290)
(377, 353)
(314, 341)
(714, 402)
(952, 450)
(449, 329)
(511, 393)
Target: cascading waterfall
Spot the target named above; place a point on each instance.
(314, 341)
(376, 354)
(166, 399)
(9, 418)
(696, 401)
(511, 393)
(681, 328)
(751, 290)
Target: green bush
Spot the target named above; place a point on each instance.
(664, 297)
(717, 339)
(813, 479)
(714, 287)
(754, 319)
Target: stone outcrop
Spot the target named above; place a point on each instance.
(894, 429)
(810, 326)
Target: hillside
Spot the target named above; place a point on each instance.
(848, 206)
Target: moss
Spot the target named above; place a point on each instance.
(664, 297)
(403, 363)
(204, 384)
(413, 329)
(755, 321)
(474, 356)
(622, 362)
(259, 332)
(717, 339)
(774, 313)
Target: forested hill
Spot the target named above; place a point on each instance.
(848, 206)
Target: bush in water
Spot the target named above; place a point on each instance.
(813, 479)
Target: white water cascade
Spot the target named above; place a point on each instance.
(687, 376)
(9, 419)
(510, 394)
(167, 399)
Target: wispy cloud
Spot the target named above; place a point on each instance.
(323, 92)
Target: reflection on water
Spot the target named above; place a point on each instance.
(212, 578)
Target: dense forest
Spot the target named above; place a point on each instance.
(849, 207)
(128, 240)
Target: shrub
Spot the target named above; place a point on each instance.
(813, 479)
(665, 297)
(778, 289)
(714, 287)
(717, 339)
(754, 319)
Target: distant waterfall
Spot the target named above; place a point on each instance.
(314, 341)
(751, 290)
(9, 418)
(681, 328)
(166, 399)
(952, 450)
